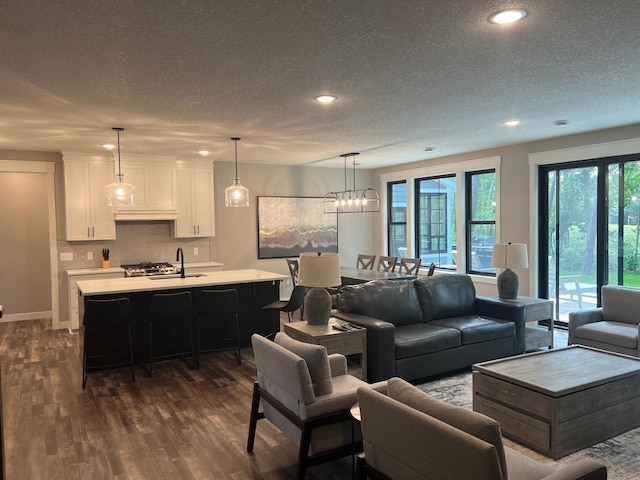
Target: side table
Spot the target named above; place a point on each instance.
(536, 310)
(352, 342)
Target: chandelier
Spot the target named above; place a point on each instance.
(119, 192)
(354, 200)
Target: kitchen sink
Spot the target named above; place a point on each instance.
(177, 275)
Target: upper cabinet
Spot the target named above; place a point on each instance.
(154, 184)
(195, 201)
(88, 217)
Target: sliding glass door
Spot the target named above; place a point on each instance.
(590, 231)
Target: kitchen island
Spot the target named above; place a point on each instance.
(255, 288)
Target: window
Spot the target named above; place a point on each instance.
(397, 215)
(480, 220)
(436, 220)
(426, 214)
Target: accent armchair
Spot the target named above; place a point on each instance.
(411, 435)
(307, 394)
(614, 326)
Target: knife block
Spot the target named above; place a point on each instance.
(106, 263)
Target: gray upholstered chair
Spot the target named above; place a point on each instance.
(409, 434)
(307, 394)
(614, 326)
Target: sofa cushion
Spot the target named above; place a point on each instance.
(621, 304)
(445, 296)
(316, 358)
(476, 424)
(474, 329)
(613, 333)
(394, 301)
(422, 338)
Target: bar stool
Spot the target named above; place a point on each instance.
(218, 313)
(295, 302)
(103, 319)
(166, 310)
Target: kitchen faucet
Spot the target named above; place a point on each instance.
(180, 256)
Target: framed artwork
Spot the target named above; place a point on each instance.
(290, 225)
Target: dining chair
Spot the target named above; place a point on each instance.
(365, 261)
(101, 317)
(387, 264)
(410, 266)
(292, 263)
(432, 268)
(217, 322)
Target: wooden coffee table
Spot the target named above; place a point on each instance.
(560, 401)
(353, 342)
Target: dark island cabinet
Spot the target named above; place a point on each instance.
(173, 341)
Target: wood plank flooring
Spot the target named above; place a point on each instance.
(179, 424)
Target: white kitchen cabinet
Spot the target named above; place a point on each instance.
(154, 186)
(88, 217)
(195, 201)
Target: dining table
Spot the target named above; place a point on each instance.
(354, 276)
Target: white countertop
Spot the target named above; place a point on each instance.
(162, 282)
(99, 270)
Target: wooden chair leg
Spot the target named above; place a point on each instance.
(303, 453)
(255, 416)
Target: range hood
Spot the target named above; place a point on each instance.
(144, 213)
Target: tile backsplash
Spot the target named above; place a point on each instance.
(139, 241)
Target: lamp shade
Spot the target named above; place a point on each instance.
(319, 269)
(510, 255)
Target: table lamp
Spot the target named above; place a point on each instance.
(508, 256)
(318, 271)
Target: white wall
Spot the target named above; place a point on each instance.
(236, 242)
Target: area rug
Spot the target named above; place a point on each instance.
(620, 454)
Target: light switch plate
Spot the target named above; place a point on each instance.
(89, 255)
(66, 257)
(195, 250)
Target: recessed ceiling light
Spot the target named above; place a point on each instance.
(508, 16)
(326, 98)
(429, 149)
(512, 123)
(203, 152)
(108, 146)
(560, 123)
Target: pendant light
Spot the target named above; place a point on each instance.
(119, 192)
(236, 195)
(354, 200)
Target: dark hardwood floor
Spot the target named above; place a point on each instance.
(179, 424)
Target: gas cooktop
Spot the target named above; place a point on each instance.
(144, 269)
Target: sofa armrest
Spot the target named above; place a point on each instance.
(582, 317)
(381, 348)
(509, 311)
(584, 469)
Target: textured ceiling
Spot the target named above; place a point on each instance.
(185, 75)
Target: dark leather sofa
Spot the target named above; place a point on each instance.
(424, 327)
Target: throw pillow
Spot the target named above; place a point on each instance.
(474, 423)
(316, 358)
